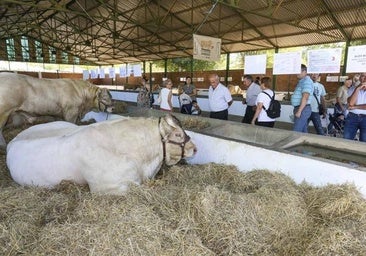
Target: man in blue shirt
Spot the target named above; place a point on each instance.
(301, 99)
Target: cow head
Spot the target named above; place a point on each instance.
(176, 143)
(105, 103)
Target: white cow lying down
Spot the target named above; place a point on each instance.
(108, 156)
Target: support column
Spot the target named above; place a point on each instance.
(345, 58)
(227, 68)
(274, 78)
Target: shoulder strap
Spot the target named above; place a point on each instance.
(316, 98)
(272, 98)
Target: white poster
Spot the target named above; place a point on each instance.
(287, 63)
(94, 73)
(85, 74)
(122, 71)
(101, 73)
(356, 60)
(112, 73)
(255, 64)
(137, 70)
(206, 48)
(130, 70)
(324, 60)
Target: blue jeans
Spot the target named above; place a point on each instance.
(315, 118)
(301, 124)
(353, 123)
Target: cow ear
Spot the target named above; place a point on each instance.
(172, 121)
(167, 125)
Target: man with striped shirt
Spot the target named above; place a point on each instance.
(301, 100)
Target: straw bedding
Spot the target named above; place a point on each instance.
(187, 210)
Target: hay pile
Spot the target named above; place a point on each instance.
(187, 210)
(119, 107)
(194, 123)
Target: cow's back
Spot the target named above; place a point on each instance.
(107, 155)
(41, 156)
(43, 96)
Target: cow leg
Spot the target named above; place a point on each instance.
(3, 120)
(2, 142)
(71, 115)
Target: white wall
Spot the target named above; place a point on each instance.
(300, 168)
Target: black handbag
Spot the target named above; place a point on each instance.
(320, 106)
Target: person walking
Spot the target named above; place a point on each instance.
(219, 98)
(262, 102)
(189, 88)
(300, 100)
(342, 96)
(143, 97)
(317, 104)
(253, 90)
(166, 95)
(356, 118)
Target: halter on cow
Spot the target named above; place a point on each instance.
(166, 139)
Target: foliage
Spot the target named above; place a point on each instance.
(182, 65)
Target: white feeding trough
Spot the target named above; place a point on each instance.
(318, 160)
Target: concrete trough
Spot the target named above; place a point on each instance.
(318, 160)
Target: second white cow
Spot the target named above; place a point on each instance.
(108, 156)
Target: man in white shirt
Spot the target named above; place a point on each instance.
(356, 118)
(253, 90)
(219, 98)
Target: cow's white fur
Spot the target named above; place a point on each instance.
(100, 116)
(108, 156)
(26, 97)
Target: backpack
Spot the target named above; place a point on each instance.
(274, 108)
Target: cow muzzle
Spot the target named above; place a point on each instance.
(105, 107)
(176, 143)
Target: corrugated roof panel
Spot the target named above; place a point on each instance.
(350, 17)
(357, 32)
(318, 23)
(245, 35)
(306, 39)
(280, 30)
(293, 10)
(340, 6)
(151, 29)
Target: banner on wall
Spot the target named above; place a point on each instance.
(123, 71)
(137, 71)
(356, 60)
(85, 74)
(324, 60)
(255, 64)
(287, 63)
(94, 73)
(101, 73)
(206, 48)
(112, 73)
